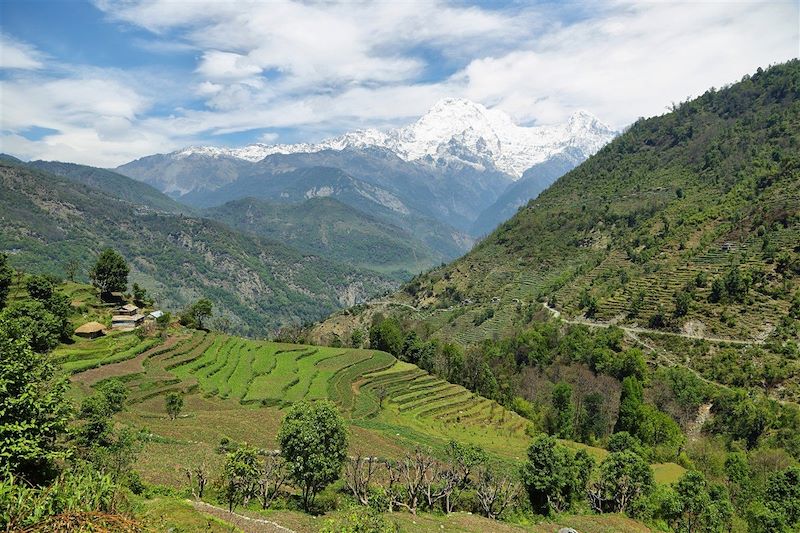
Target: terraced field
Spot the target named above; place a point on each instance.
(247, 377)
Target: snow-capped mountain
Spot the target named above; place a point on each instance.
(453, 130)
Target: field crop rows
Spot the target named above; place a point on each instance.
(412, 392)
(112, 348)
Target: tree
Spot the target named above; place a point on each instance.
(71, 268)
(465, 458)
(550, 476)
(6, 276)
(593, 420)
(630, 406)
(357, 338)
(313, 439)
(783, 495)
(33, 409)
(271, 477)
(699, 506)
(240, 476)
(139, 295)
(33, 321)
(682, 301)
(387, 336)
(495, 492)
(40, 288)
(194, 315)
(562, 412)
(174, 404)
(359, 471)
(624, 477)
(110, 273)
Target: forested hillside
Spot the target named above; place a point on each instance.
(332, 229)
(257, 284)
(688, 222)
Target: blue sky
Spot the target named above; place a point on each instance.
(107, 81)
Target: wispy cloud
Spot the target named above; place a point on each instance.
(16, 54)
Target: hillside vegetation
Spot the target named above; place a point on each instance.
(258, 284)
(703, 202)
(328, 228)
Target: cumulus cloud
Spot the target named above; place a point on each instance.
(325, 67)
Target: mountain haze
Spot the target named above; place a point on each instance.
(450, 165)
(256, 283)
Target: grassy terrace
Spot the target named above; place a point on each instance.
(237, 388)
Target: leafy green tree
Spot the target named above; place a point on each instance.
(699, 506)
(194, 315)
(630, 406)
(240, 476)
(465, 458)
(357, 338)
(33, 409)
(174, 404)
(6, 276)
(737, 470)
(110, 273)
(594, 421)
(562, 412)
(623, 441)
(139, 295)
(115, 394)
(624, 478)
(783, 495)
(386, 335)
(71, 268)
(682, 301)
(39, 287)
(313, 440)
(32, 320)
(550, 476)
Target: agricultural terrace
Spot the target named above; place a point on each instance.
(236, 388)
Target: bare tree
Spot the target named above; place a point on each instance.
(200, 473)
(409, 474)
(439, 484)
(382, 392)
(495, 492)
(271, 478)
(358, 472)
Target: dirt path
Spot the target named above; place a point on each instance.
(245, 523)
(631, 329)
(130, 366)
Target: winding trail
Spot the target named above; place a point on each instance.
(245, 523)
(634, 330)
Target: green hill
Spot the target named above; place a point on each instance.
(256, 283)
(331, 229)
(114, 184)
(688, 222)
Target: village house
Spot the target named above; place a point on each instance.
(127, 317)
(90, 330)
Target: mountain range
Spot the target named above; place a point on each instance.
(687, 223)
(435, 178)
(52, 213)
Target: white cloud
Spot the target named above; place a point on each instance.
(18, 55)
(331, 66)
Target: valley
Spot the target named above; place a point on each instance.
(383, 283)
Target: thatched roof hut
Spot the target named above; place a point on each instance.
(90, 330)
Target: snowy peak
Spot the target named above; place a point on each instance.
(454, 130)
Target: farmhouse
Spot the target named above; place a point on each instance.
(127, 321)
(155, 315)
(90, 330)
(128, 310)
